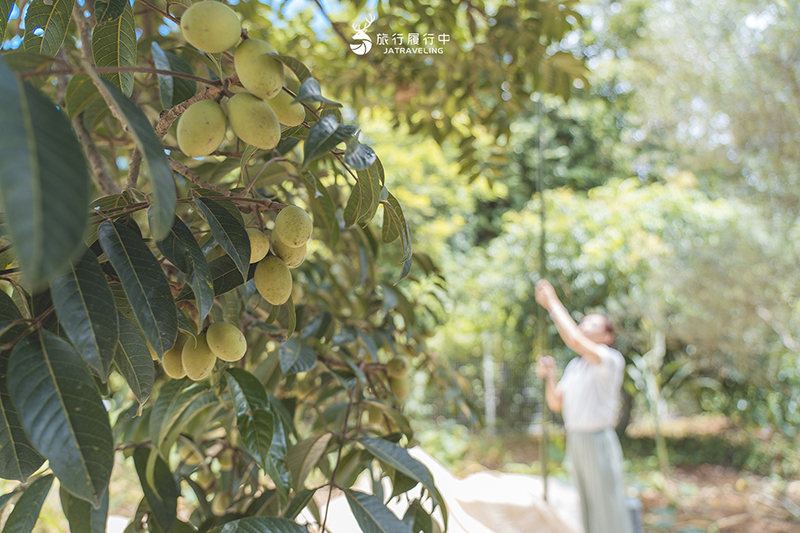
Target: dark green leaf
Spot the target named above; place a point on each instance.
(81, 94)
(63, 413)
(114, 45)
(5, 12)
(224, 274)
(46, 26)
(322, 206)
(299, 69)
(160, 490)
(372, 515)
(5, 498)
(359, 156)
(296, 357)
(323, 137)
(85, 306)
(175, 400)
(301, 500)
(253, 416)
(394, 226)
(18, 458)
(398, 458)
(20, 60)
(82, 517)
(165, 196)
(183, 251)
(44, 181)
(365, 196)
(228, 232)
(108, 10)
(26, 512)
(304, 456)
(134, 361)
(276, 465)
(144, 283)
(310, 91)
(173, 90)
(261, 524)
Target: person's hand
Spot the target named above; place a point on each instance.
(545, 367)
(545, 294)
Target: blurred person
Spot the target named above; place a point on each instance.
(588, 397)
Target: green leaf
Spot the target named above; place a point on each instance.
(359, 156)
(18, 458)
(165, 196)
(310, 91)
(134, 361)
(228, 232)
(175, 400)
(144, 284)
(224, 274)
(160, 489)
(299, 69)
(372, 515)
(62, 413)
(108, 10)
(5, 12)
(323, 137)
(81, 94)
(296, 357)
(276, 465)
(44, 181)
(173, 90)
(301, 500)
(85, 306)
(394, 227)
(114, 45)
(82, 517)
(183, 251)
(26, 512)
(253, 416)
(304, 456)
(398, 458)
(322, 206)
(365, 196)
(261, 524)
(46, 26)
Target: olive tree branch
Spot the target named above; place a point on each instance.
(106, 70)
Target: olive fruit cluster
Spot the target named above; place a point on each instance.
(256, 114)
(290, 235)
(195, 356)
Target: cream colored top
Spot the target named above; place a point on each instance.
(591, 392)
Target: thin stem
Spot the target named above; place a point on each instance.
(106, 70)
(160, 11)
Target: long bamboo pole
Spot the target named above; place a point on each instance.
(541, 337)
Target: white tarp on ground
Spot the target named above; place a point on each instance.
(485, 502)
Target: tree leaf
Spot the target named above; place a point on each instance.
(18, 458)
(81, 94)
(372, 515)
(323, 137)
(296, 357)
(398, 458)
(183, 251)
(299, 69)
(144, 284)
(5, 12)
(160, 489)
(365, 196)
(322, 206)
(261, 524)
(85, 306)
(310, 91)
(165, 196)
(114, 45)
(300, 501)
(224, 274)
(174, 401)
(395, 226)
(228, 232)
(134, 361)
(359, 156)
(172, 90)
(46, 26)
(304, 456)
(62, 413)
(253, 416)
(108, 10)
(44, 181)
(82, 517)
(26, 512)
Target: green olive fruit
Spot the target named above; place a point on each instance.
(197, 358)
(211, 26)
(201, 128)
(189, 456)
(400, 387)
(397, 367)
(225, 459)
(259, 73)
(288, 114)
(226, 341)
(293, 257)
(204, 477)
(293, 226)
(172, 360)
(374, 414)
(254, 121)
(273, 280)
(259, 244)
(220, 503)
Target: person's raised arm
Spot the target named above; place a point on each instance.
(572, 336)
(546, 369)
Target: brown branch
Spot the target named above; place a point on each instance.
(194, 177)
(107, 70)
